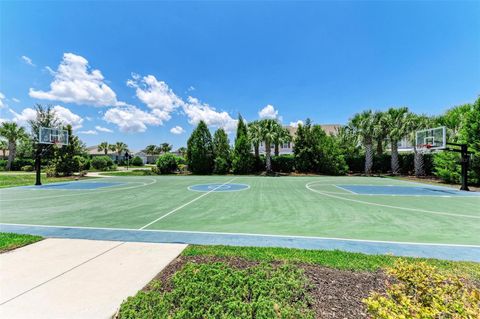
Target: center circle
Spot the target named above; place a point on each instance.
(217, 187)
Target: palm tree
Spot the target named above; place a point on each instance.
(12, 132)
(150, 150)
(3, 147)
(416, 123)
(380, 131)
(119, 147)
(165, 147)
(255, 134)
(283, 136)
(396, 121)
(182, 151)
(104, 147)
(269, 135)
(363, 125)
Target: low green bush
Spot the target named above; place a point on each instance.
(102, 163)
(418, 290)
(27, 168)
(216, 290)
(18, 163)
(3, 164)
(136, 161)
(283, 163)
(167, 163)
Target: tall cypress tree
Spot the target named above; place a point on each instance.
(200, 150)
(221, 149)
(242, 162)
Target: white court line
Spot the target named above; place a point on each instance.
(244, 234)
(388, 206)
(78, 193)
(340, 187)
(221, 191)
(180, 207)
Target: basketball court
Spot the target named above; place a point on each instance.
(364, 214)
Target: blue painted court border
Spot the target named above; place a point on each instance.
(72, 186)
(395, 190)
(447, 252)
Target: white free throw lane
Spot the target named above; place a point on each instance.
(73, 278)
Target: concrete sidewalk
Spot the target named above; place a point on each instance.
(73, 278)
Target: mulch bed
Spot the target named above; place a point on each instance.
(336, 293)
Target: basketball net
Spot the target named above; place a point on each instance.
(424, 148)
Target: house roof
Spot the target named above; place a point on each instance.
(328, 128)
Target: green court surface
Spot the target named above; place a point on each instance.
(363, 208)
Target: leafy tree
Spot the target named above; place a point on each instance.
(380, 131)
(200, 157)
(255, 135)
(221, 150)
(104, 147)
(45, 117)
(270, 133)
(65, 157)
(363, 125)
(137, 161)
(396, 120)
(242, 161)
(182, 151)
(470, 130)
(349, 141)
(317, 152)
(12, 133)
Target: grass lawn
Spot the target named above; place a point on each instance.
(131, 172)
(24, 179)
(329, 258)
(9, 241)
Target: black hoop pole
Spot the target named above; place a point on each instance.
(38, 166)
(464, 162)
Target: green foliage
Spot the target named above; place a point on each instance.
(283, 163)
(18, 163)
(242, 159)
(216, 290)
(221, 149)
(82, 162)
(27, 168)
(418, 290)
(167, 163)
(446, 166)
(65, 160)
(136, 161)
(317, 152)
(102, 163)
(3, 164)
(9, 241)
(200, 157)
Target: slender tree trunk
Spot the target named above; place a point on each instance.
(11, 154)
(379, 147)
(395, 164)
(419, 163)
(368, 158)
(268, 156)
(256, 147)
(277, 149)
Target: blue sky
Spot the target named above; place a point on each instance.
(149, 71)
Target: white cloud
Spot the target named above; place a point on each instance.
(2, 97)
(89, 132)
(191, 88)
(295, 124)
(50, 70)
(68, 117)
(27, 60)
(177, 130)
(88, 118)
(131, 119)
(198, 111)
(103, 129)
(156, 95)
(74, 82)
(64, 115)
(15, 100)
(268, 112)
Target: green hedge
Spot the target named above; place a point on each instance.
(18, 163)
(283, 163)
(102, 163)
(381, 163)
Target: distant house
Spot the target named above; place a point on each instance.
(143, 156)
(287, 148)
(93, 151)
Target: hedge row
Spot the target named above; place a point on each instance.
(381, 163)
